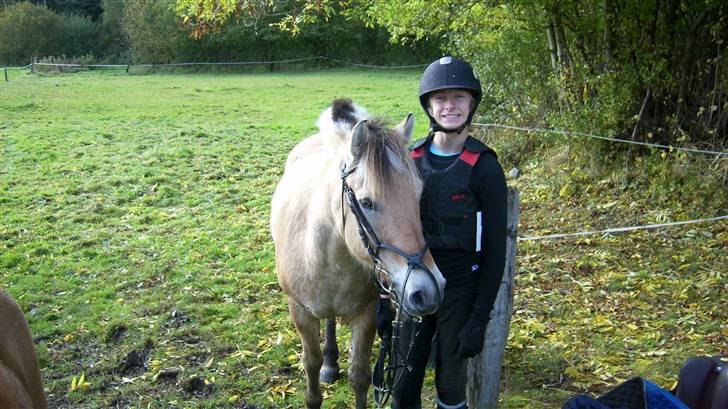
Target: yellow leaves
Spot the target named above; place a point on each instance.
(242, 353)
(281, 391)
(79, 383)
(209, 363)
(572, 372)
(566, 190)
(601, 323)
(233, 398)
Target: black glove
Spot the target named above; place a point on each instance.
(470, 339)
(384, 318)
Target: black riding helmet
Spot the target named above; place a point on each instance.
(449, 73)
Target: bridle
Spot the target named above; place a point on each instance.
(389, 373)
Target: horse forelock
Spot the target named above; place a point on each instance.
(385, 164)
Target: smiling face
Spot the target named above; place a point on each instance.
(450, 107)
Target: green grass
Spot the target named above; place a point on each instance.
(135, 230)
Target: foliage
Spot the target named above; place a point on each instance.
(112, 37)
(649, 71)
(29, 31)
(79, 34)
(154, 34)
(32, 31)
(135, 237)
(87, 8)
(254, 39)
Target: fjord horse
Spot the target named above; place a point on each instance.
(331, 252)
(20, 382)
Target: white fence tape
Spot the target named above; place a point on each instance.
(182, 64)
(17, 68)
(588, 135)
(620, 229)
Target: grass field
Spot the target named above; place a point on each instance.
(135, 237)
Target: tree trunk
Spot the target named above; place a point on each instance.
(484, 369)
(560, 36)
(552, 46)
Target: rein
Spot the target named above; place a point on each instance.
(384, 377)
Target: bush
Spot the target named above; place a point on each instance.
(155, 33)
(79, 34)
(29, 31)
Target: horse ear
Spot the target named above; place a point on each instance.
(405, 128)
(358, 138)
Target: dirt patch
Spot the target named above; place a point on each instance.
(198, 387)
(136, 362)
(117, 333)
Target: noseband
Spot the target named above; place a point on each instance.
(387, 373)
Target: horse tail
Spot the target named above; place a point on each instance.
(341, 116)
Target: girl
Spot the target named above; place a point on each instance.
(463, 211)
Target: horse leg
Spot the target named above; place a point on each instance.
(308, 328)
(330, 370)
(362, 338)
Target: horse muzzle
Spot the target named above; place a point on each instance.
(418, 288)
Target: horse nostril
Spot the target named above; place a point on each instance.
(421, 303)
(417, 299)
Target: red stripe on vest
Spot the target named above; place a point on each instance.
(469, 157)
(417, 153)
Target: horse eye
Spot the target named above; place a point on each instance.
(367, 203)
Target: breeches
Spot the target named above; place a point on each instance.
(440, 331)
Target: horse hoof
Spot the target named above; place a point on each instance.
(329, 374)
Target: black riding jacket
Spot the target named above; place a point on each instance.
(463, 211)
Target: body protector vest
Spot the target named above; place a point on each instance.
(451, 217)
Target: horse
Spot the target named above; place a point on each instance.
(20, 382)
(345, 221)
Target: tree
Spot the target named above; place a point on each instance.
(154, 31)
(85, 8)
(112, 37)
(29, 31)
(651, 70)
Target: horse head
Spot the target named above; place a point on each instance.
(382, 188)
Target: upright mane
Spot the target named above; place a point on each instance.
(384, 156)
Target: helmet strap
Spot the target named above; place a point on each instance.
(437, 128)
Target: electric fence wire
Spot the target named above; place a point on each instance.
(605, 138)
(620, 229)
(486, 125)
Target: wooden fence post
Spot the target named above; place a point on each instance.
(484, 369)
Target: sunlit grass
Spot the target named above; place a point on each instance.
(135, 237)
